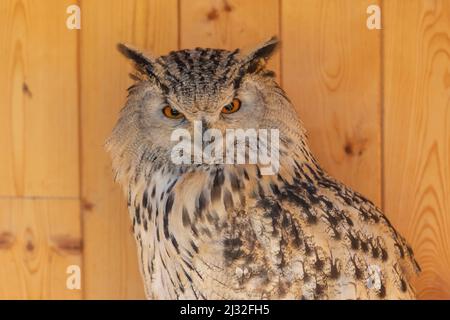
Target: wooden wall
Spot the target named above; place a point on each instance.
(376, 104)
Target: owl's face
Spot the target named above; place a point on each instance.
(218, 89)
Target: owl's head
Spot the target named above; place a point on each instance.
(218, 89)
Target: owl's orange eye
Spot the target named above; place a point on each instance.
(171, 113)
(232, 107)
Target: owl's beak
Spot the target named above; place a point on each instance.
(205, 126)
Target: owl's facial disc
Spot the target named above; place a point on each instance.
(221, 90)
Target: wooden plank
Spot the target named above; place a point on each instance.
(417, 134)
(39, 239)
(331, 71)
(38, 100)
(229, 24)
(111, 270)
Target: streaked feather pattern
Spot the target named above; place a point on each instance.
(299, 235)
(228, 232)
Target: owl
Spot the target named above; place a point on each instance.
(228, 230)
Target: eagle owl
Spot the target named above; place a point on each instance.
(225, 230)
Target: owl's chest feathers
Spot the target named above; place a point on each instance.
(218, 233)
(197, 233)
(232, 233)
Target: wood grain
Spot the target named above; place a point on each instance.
(110, 253)
(331, 71)
(229, 24)
(39, 239)
(417, 134)
(38, 100)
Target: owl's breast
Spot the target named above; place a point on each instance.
(234, 234)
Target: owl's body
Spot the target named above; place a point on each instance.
(225, 231)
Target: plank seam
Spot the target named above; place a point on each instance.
(178, 24)
(280, 31)
(39, 198)
(80, 154)
(382, 124)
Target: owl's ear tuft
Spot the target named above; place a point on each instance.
(144, 63)
(262, 52)
(134, 54)
(265, 49)
(256, 59)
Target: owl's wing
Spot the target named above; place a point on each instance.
(317, 239)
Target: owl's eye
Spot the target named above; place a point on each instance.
(171, 113)
(232, 107)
